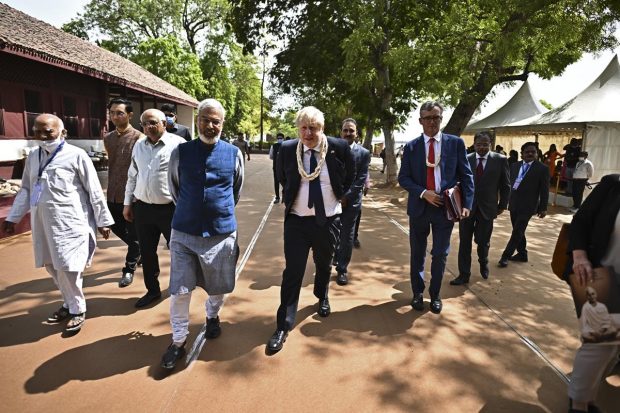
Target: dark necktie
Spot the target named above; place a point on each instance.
(479, 170)
(315, 196)
(430, 171)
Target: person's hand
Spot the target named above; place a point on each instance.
(104, 231)
(8, 227)
(542, 214)
(128, 213)
(500, 211)
(465, 213)
(365, 191)
(344, 201)
(582, 267)
(433, 198)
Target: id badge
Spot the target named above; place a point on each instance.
(35, 194)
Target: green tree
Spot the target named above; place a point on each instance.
(390, 55)
(167, 59)
(186, 42)
(76, 27)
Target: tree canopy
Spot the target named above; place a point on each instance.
(188, 43)
(379, 58)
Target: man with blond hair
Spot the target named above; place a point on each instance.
(316, 172)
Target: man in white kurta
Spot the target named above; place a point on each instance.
(61, 190)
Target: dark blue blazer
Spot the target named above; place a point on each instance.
(454, 168)
(338, 159)
(361, 158)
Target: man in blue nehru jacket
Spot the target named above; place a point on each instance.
(205, 177)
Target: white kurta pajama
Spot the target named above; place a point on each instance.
(65, 219)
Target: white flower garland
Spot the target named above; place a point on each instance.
(433, 165)
(300, 163)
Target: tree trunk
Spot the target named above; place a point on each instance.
(370, 131)
(391, 172)
(468, 104)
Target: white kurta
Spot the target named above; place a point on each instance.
(71, 207)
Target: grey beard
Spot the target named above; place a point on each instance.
(209, 141)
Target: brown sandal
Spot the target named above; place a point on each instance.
(76, 322)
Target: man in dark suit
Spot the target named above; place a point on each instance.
(315, 172)
(432, 163)
(529, 180)
(491, 181)
(348, 219)
(273, 155)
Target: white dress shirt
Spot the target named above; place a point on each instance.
(484, 161)
(331, 203)
(147, 178)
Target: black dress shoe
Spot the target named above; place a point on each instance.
(484, 271)
(276, 342)
(418, 302)
(324, 308)
(342, 278)
(147, 299)
(276, 201)
(503, 262)
(213, 328)
(356, 243)
(460, 280)
(172, 354)
(518, 258)
(436, 305)
(126, 279)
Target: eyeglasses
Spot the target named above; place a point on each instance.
(151, 123)
(117, 113)
(213, 122)
(431, 118)
(349, 130)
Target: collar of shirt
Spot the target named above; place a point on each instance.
(165, 139)
(352, 145)
(485, 157)
(436, 137)
(316, 148)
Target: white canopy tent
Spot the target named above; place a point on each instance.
(521, 106)
(595, 113)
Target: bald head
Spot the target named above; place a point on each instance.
(48, 127)
(154, 123)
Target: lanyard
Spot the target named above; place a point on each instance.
(524, 168)
(49, 160)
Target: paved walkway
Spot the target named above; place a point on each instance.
(504, 344)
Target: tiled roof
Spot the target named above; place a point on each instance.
(26, 36)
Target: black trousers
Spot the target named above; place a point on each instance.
(126, 231)
(357, 226)
(344, 247)
(152, 221)
(479, 229)
(517, 239)
(276, 184)
(300, 235)
(579, 185)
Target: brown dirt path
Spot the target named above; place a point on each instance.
(372, 354)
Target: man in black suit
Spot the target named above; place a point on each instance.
(529, 194)
(315, 172)
(350, 213)
(273, 155)
(491, 181)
